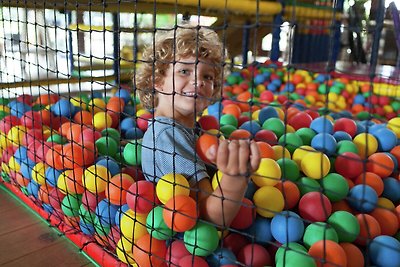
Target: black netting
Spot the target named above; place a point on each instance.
(206, 133)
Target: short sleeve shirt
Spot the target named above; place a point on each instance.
(169, 147)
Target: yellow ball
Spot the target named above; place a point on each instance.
(102, 120)
(394, 125)
(141, 112)
(5, 168)
(216, 179)
(38, 173)
(96, 105)
(62, 183)
(315, 165)
(385, 203)
(280, 152)
(78, 102)
(5, 108)
(95, 178)
(133, 225)
(124, 250)
(268, 173)
(4, 141)
(366, 144)
(16, 134)
(254, 115)
(281, 113)
(171, 185)
(268, 201)
(300, 152)
(13, 164)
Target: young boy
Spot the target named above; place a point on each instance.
(181, 75)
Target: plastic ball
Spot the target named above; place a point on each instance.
(268, 173)
(70, 205)
(221, 257)
(245, 216)
(149, 251)
(156, 226)
(95, 178)
(369, 229)
(203, 144)
(391, 189)
(380, 164)
(287, 226)
(322, 125)
(268, 200)
(327, 252)
(317, 231)
(335, 186)
(208, 122)
(315, 165)
(175, 252)
(346, 146)
(355, 257)
(133, 225)
(290, 192)
(306, 135)
(324, 142)
(293, 254)
(291, 141)
(111, 164)
(387, 220)
(371, 179)
(235, 242)
(254, 255)
(192, 260)
(106, 212)
(63, 107)
(266, 136)
(117, 188)
(385, 251)
(171, 185)
(345, 224)
(300, 152)
(180, 213)
(349, 165)
(275, 125)
(394, 125)
(314, 207)
(341, 136)
(70, 181)
(106, 146)
(202, 240)
(38, 173)
(259, 231)
(386, 138)
(300, 120)
(141, 197)
(267, 113)
(363, 198)
(133, 153)
(366, 144)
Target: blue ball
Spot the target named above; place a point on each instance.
(289, 87)
(105, 212)
(110, 163)
(373, 127)
(260, 231)
(129, 111)
(127, 124)
(322, 125)
(120, 212)
(272, 87)
(277, 82)
(362, 198)
(33, 189)
(267, 113)
(325, 143)
(21, 154)
(221, 257)
(260, 78)
(215, 110)
(124, 94)
(287, 226)
(358, 99)
(386, 138)
(391, 189)
(18, 108)
(63, 107)
(251, 126)
(385, 251)
(51, 176)
(341, 135)
(360, 127)
(134, 133)
(251, 189)
(47, 208)
(26, 170)
(86, 228)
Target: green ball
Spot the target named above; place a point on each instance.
(86, 215)
(228, 119)
(306, 135)
(227, 130)
(232, 79)
(323, 89)
(395, 105)
(335, 187)
(346, 146)
(101, 229)
(335, 89)
(70, 204)
(133, 153)
(113, 133)
(291, 141)
(156, 226)
(107, 146)
(293, 255)
(202, 240)
(56, 138)
(4, 101)
(289, 169)
(307, 184)
(276, 125)
(3, 114)
(363, 115)
(345, 224)
(319, 231)
(5, 177)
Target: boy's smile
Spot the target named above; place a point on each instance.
(186, 89)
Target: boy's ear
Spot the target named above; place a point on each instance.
(158, 87)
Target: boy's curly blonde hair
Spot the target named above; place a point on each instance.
(171, 46)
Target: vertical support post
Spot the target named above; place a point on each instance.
(276, 32)
(245, 43)
(116, 53)
(70, 52)
(377, 36)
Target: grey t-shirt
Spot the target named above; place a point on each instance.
(169, 147)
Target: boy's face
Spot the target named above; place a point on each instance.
(187, 86)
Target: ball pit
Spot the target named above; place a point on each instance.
(327, 187)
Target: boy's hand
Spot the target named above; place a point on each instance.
(235, 157)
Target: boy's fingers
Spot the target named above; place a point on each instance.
(244, 153)
(233, 155)
(211, 153)
(222, 154)
(255, 156)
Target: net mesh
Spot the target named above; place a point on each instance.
(109, 110)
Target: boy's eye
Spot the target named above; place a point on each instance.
(209, 77)
(184, 71)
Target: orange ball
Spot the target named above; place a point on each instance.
(180, 213)
(204, 143)
(341, 205)
(381, 164)
(371, 179)
(232, 109)
(83, 117)
(54, 157)
(369, 229)
(73, 181)
(78, 155)
(240, 134)
(355, 257)
(266, 150)
(387, 220)
(44, 191)
(290, 192)
(118, 187)
(328, 253)
(149, 252)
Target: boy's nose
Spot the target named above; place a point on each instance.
(198, 82)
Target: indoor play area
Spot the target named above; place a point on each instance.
(309, 90)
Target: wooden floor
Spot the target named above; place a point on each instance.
(27, 240)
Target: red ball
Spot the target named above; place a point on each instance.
(141, 197)
(32, 135)
(242, 119)
(328, 253)
(349, 165)
(35, 147)
(27, 99)
(31, 119)
(56, 197)
(8, 122)
(135, 172)
(208, 122)
(346, 125)
(267, 136)
(143, 121)
(300, 120)
(235, 242)
(254, 255)
(204, 143)
(175, 252)
(246, 215)
(180, 213)
(90, 200)
(192, 260)
(315, 207)
(89, 135)
(149, 251)
(266, 96)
